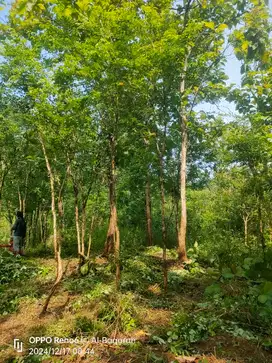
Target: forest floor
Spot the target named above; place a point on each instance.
(202, 318)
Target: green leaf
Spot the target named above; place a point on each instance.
(213, 289)
(222, 27)
(262, 299)
(67, 12)
(267, 288)
(227, 274)
(84, 269)
(209, 24)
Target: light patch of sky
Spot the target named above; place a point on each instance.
(4, 12)
(232, 69)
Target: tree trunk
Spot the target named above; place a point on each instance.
(117, 257)
(164, 237)
(29, 230)
(90, 237)
(10, 214)
(83, 221)
(109, 245)
(182, 255)
(83, 228)
(33, 227)
(20, 200)
(176, 214)
(246, 219)
(2, 183)
(148, 212)
(110, 241)
(56, 240)
(113, 235)
(261, 226)
(25, 194)
(77, 220)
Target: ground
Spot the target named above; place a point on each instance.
(88, 306)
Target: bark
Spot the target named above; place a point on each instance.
(33, 226)
(25, 194)
(246, 219)
(56, 240)
(109, 245)
(60, 202)
(110, 241)
(90, 237)
(40, 225)
(117, 257)
(36, 225)
(29, 231)
(10, 214)
(20, 200)
(176, 213)
(164, 237)
(45, 227)
(182, 255)
(148, 212)
(113, 235)
(83, 229)
(77, 220)
(2, 183)
(261, 227)
(83, 221)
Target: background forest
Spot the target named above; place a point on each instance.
(129, 186)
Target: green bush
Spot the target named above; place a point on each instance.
(14, 268)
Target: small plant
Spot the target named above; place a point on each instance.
(189, 328)
(85, 325)
(119, 313)
(15, 268)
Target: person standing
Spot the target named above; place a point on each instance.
(19, 233)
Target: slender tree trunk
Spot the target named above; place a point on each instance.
(10, 214)
(83, 228)
(113, 235)
(33, 226)
(61, 214)
(36, 225)
(183, 160)
(261, 226)
(117, 256)
(110, 241)
(176, 214)
(45, 227)
(164, 237)
(20, 200)
(148, 212)
(84, 219)
(77, 220)
(41, 225)
(2, 183)
(29, 230)
(183, 218)
(90, 237)
(56, 240)
(246, 219)
(25, 194)
(109, 245)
